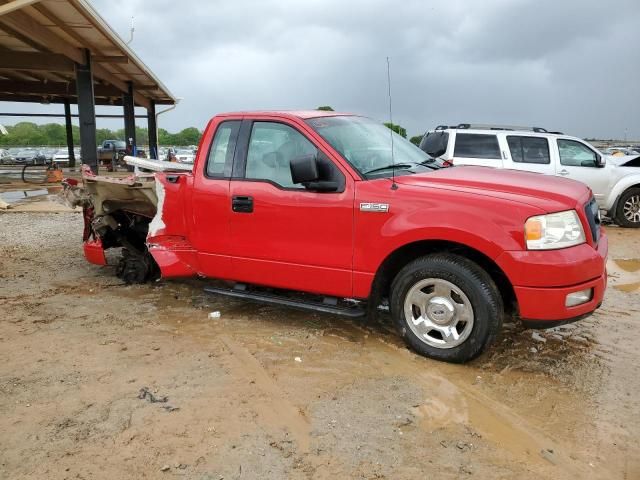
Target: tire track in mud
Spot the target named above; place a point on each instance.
(278, 411)
(447, 396)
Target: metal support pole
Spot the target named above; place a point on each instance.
(67, 124)
(129, 119)
(87, 112)
(153, 131)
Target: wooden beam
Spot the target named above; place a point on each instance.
(111, 58)
(49, 62)
(15, 5)
(53, 88)
(27, 26)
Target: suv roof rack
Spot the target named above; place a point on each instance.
(482, 126)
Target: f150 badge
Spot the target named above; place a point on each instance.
(374, 207)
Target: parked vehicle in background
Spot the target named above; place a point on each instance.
(5, 156)
(185, 155)
(29, 156)
(61, 157)
(111, 150)
(615, 181)
(316, 202)
(621, 151)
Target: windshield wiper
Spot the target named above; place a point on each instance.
(389, 167)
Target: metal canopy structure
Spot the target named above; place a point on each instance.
(62, 51)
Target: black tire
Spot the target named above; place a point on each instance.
(474, 282)
(620, 218)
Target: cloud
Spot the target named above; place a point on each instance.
(568, 65)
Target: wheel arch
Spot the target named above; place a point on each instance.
(396, 260)
(619, 192)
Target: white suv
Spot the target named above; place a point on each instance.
(615, 181)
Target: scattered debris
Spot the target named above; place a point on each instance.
(145, 394)
(214, 315)
(538, 338)
(533, 350)
(549, 455)
(298, 359)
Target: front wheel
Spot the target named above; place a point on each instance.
(628, 209)
(446, 307)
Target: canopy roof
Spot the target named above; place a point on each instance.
(40, 42)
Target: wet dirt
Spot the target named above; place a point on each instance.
(268, 392)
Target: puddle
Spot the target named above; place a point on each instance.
(19, 196)
(624, 274)
(632, 265)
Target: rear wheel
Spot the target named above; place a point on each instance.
(446, 307)
(628, 209)
(136, 267)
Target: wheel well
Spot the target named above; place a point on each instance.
(614, 208)
(403, 255)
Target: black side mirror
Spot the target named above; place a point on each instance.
(304, 170)
(600, 161)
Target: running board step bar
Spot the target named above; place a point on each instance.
(329, 305)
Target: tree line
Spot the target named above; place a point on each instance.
(25, 134)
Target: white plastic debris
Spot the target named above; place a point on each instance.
(213, 315)
(298, 359)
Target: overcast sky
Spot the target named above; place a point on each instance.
(564, 65)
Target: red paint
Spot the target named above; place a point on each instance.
(323, 243)
(94, 252)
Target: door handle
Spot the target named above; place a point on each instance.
(242, 204)
(563, 172)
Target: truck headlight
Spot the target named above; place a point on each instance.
(552, 231)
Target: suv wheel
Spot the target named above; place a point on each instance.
(628, 209)
(446, 307)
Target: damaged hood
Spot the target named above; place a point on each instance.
(624, 160)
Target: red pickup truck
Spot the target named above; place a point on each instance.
(351, 215)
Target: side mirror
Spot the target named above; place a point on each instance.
(304, 170)
(600, 161)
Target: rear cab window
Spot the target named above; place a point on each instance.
(222, 149)
(477, 145)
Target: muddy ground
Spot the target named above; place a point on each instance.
(268, 392)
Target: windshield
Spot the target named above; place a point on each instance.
(366, 145)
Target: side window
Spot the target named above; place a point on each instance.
(576, 154)
(271, 148)
(529, 149)
(471, 145)
(222, 148)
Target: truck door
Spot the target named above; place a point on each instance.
(530, 153)
(282, 234)
(209, 229)
(579, 162)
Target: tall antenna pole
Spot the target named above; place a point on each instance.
(393, 162)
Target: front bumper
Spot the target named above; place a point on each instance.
(543, 279)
